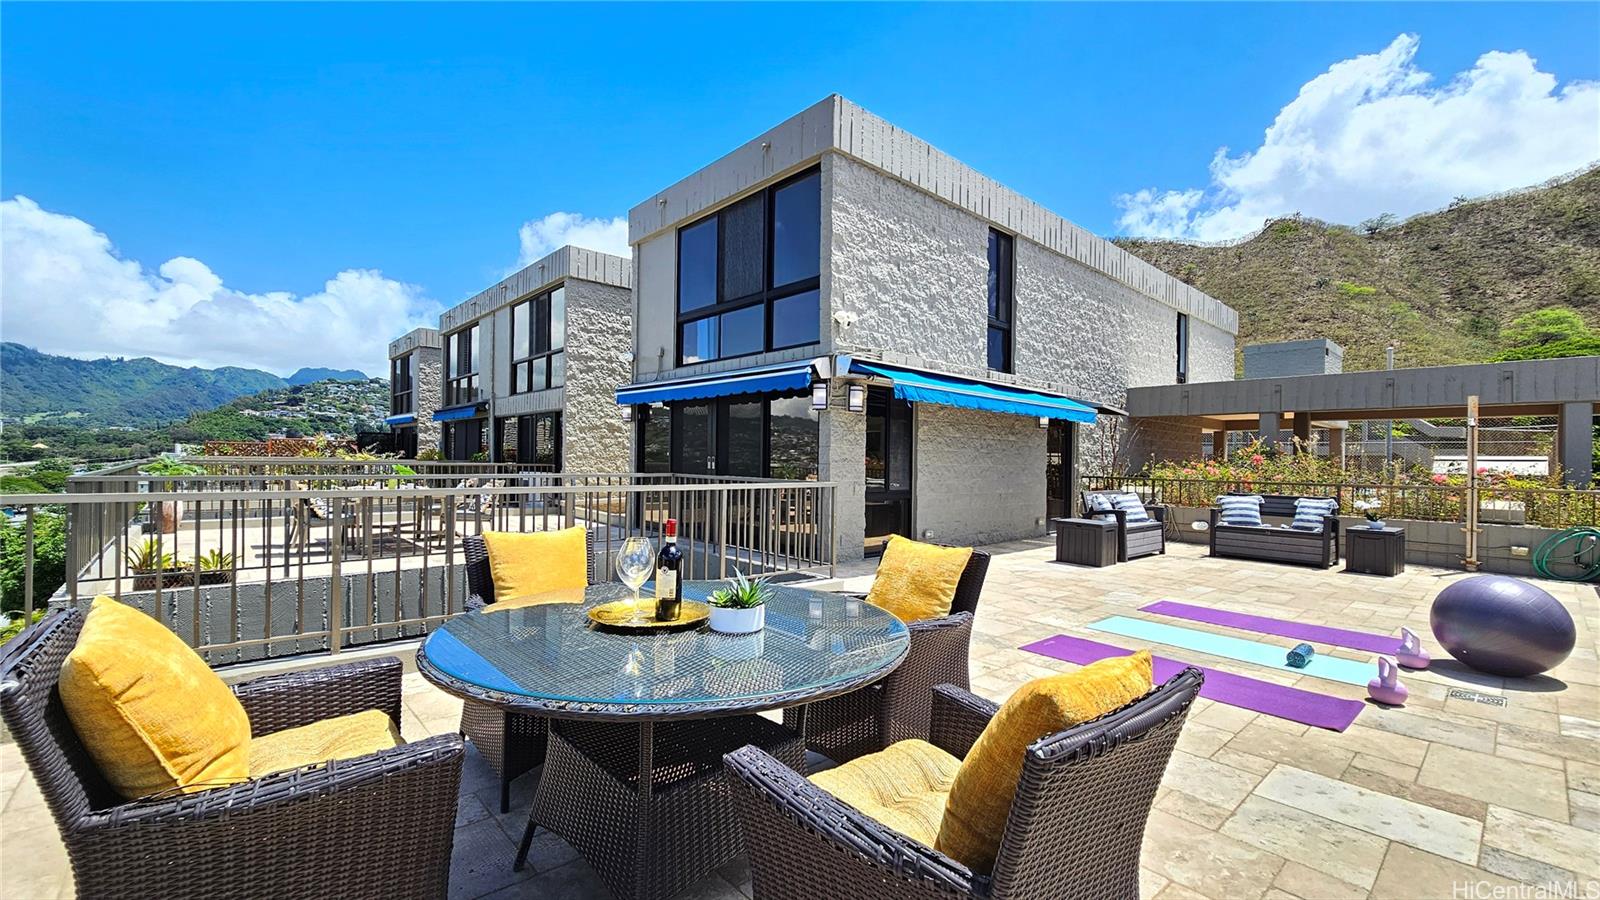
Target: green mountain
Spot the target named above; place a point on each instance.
(308, 375)
(1441, 285)
(302, 410)
(41, 388)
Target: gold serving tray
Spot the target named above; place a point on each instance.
(618, 616)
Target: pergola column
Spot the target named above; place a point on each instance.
(1336, 446)
(1302, 432)
(1574, 437)
(1219, 443)
(1271, 428)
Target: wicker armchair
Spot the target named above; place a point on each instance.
(896, 708)
(512, 743)
(1136, 539)
(377, 826)
(1075, 827)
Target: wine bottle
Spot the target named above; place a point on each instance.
(669, 587)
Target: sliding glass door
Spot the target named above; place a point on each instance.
(888, 468)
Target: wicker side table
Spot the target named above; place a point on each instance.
(1086, 542)
(1375, 551)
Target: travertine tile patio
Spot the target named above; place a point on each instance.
(1446, 797)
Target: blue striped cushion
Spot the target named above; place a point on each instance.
(1098, 503)
(1240, 509)
(1310, 511)
(1134, 507)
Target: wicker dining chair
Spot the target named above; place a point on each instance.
(896, 708)
(511, 743)
(1074, 830)
(376, 826)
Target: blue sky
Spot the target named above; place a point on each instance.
(275, 146)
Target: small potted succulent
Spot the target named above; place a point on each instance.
(741, 607)
(1369, 508)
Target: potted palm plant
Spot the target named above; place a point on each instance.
(214, 567)
(741, 607)
(149, 565)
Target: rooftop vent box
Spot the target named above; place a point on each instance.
(1319, 356)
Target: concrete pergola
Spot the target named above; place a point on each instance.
(1567, 389)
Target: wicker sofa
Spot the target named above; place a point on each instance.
(896, 708)
(1075, 827)
(511, 743)
(1269, 542)
(1137, 539)
(377, 826)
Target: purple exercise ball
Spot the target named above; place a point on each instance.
(1503, 626)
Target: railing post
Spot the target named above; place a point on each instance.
(27, 574)
(833, 532)
(722, 531)
(336, 583)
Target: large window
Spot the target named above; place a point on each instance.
(400, 385)
(748, 274)
(533, 440)
(538, 342)
(461, 364)
(1000, 301)
(743, 436)
(1183, 348)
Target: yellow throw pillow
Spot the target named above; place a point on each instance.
(526, 564)
(152, 714)
(917, 581)
(980, 799)
(341, 737)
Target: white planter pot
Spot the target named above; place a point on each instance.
(738, 621)
(1375, 525)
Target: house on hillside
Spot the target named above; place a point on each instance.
(838, 300)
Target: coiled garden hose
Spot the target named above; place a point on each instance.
(1578, 546)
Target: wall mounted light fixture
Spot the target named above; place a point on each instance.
(819, 395)
(856, 397)
(627, 412)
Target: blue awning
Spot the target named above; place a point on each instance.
(763, 380)
(402, 419)
(453, 413)
(948, 390)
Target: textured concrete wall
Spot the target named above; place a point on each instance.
(599, 336)
(427, 387)
(979, 475)
(913, 270)
(842, 446)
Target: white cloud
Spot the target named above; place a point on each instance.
(540, 237)
(64, 289)
(1373, 135)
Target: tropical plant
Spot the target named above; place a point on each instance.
(49, 559)
(742, 593)
(430, 455)
(167, 467)
(214, 561)
(148, 557)
(1548, 334)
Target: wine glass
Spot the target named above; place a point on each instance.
(634, 562)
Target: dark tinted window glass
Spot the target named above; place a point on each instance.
(519, 331)
(796, 230)
(999, 349)
(744, 439)
(700, 340)
(558, 318)
(795, 320)
(1183, 348)
(541, 325)
(743, 229)
(558, 369)
(655, 444)
(743, 331)
(793, 439)
(697, 265)
(537, 372)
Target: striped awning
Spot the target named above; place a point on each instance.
(928, 387)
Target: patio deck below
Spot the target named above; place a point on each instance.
(1446, 797)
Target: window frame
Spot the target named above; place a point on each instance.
(1182, 339)
(453, 384)
(766, 296)
(539, 305)
(401, 401)
(1005, 285)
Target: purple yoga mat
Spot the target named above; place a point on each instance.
(1294, 704)
(1300, 631)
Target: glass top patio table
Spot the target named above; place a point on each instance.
(541, 656)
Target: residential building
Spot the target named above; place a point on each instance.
(414, 369)
(837, 299)
(530, 365)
